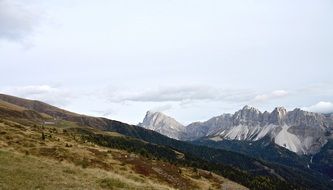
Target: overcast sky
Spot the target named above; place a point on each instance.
(192, 59)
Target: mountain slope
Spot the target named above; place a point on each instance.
(298, 131)
(262, 149)
(250, 172)
(51, 112)
(35, 105)
(323, 161)
(78, 159)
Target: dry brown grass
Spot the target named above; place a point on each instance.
(20, 171)
(6, 105)
(64, 161)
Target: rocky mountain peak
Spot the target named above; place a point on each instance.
(149, 113)
(278, 116)
(249, 108)
(153, 116)
(299, 131)
(163, 124)
(247, 116)
(281, 110)
(246, 107)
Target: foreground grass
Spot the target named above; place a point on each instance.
(19, 171)
(61, 160)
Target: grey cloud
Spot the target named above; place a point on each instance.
(325, 89)
(45, 93)
(17, 21)
(321, 107)
(272, 95)
(182, 94)
(322, 89)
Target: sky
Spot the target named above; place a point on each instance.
(191, 59)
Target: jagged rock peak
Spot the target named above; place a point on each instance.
(249, 108)
(299, 131)
(150, 113)
(246, 107)
(152, 118)
(278, 116)
(280, 112)
(163, 124)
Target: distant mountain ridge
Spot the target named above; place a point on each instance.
(299, 131)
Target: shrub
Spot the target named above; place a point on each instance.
(43, 136)
(110, 183)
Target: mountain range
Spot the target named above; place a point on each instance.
(44, 131)
(299, 131)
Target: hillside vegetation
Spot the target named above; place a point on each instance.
(50, 157)
(146, 158)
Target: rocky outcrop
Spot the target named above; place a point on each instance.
(163, 124)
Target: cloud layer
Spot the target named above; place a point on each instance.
(321, 107)
(272, 95)
(46, 93)
(181, 94)
(17, 21)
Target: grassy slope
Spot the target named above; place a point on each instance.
(10, 106)
(20, 171)
(258, 170)
(26, 161)
(262, 173)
